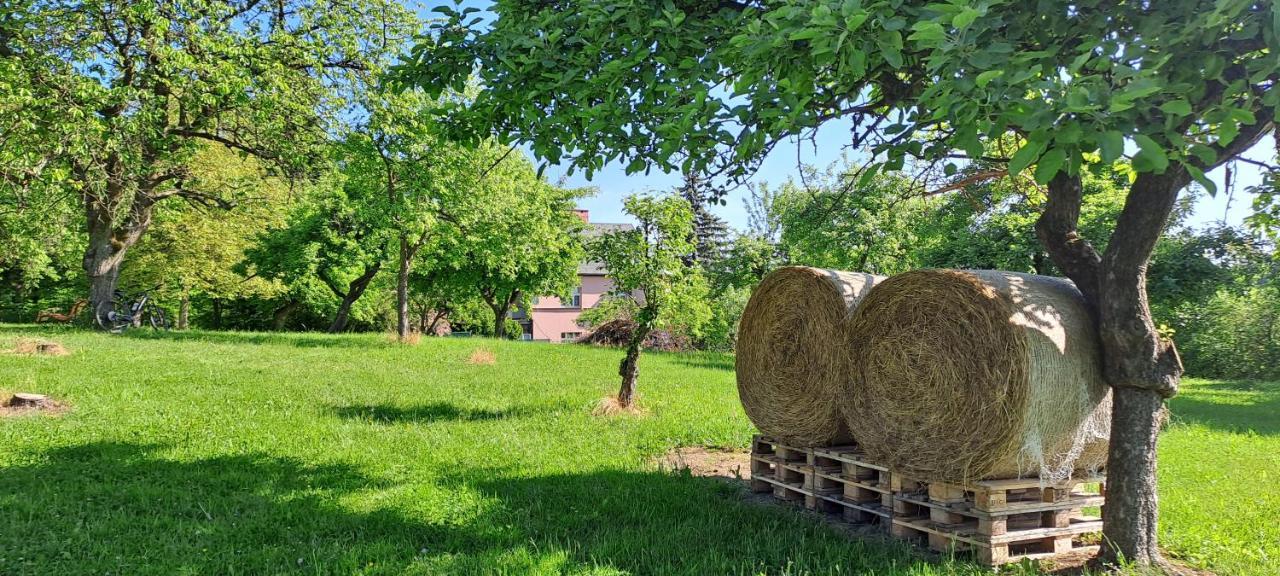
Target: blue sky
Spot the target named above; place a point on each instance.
(614, 184)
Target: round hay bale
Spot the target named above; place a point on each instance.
(789, 361)
(966, 375)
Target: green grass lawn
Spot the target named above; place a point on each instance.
(225, 453)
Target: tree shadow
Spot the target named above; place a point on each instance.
(1238, 406)
(297, 340)
(712, 360)
(675, 523)
(111, 507)
(436, 412)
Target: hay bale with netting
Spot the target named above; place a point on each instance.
(965, 375)
(789, 362)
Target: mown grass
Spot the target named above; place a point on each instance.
(228, 453)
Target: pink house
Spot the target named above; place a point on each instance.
(554, 320)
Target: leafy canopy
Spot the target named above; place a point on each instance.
(652, 259)
(692, 85)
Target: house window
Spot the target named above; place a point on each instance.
(569, 336)
(574, 301)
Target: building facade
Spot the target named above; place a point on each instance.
(551, 319)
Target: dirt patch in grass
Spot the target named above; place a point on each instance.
(22, 403)
(38, 347)
(482, 357)
(708, 463)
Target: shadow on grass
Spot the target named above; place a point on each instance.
(1231, 406)
(117, 508)
(122, 508)
(298, 340)
(437, 412)
(704, 360)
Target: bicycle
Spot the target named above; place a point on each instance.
(121, 314)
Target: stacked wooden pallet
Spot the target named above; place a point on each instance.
(1000, 521)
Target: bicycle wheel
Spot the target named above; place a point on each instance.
(109, 316)
(157, 319)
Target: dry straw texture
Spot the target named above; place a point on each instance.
(790, 360)
(965, 375)
(32, 346)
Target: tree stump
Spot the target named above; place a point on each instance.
(28, 400)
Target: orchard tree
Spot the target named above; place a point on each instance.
(512, 236)
(119, 95)
(340, 238)
(1182, 86)
(397, 152)
(651, 259)
(190, 253)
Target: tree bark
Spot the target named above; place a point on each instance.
(217, 313)
(402, 289)
(109, 240)
(281, 315)
(630, 367)
(1141, 368)
(184, 311)
(354, 291)
(500, 320)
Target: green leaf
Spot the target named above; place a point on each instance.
(1050, 163)
(966, 17)
(1111, 146)
(1151, 153)
(1201, 179)
(1178, 107)
(927, 32)
(986, 77)
(1024, 157)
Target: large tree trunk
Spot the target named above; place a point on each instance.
(110, 239)
(499, 320)
(354, 292)
(1142, 368)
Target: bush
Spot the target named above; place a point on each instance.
(1232, 335)
(721, 332)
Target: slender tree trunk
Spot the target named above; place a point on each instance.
(217, 313)
(354, 292)
(402, 289)
(184, 311)
(281, 315)
(630, 367)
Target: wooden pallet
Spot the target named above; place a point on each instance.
(1000, 521)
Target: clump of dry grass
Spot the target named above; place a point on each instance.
(482, 357)
(790, 360)
(36, 346)
(610, 406)
(964, 375)
(412, 339)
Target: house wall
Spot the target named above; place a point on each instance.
(550, 319)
